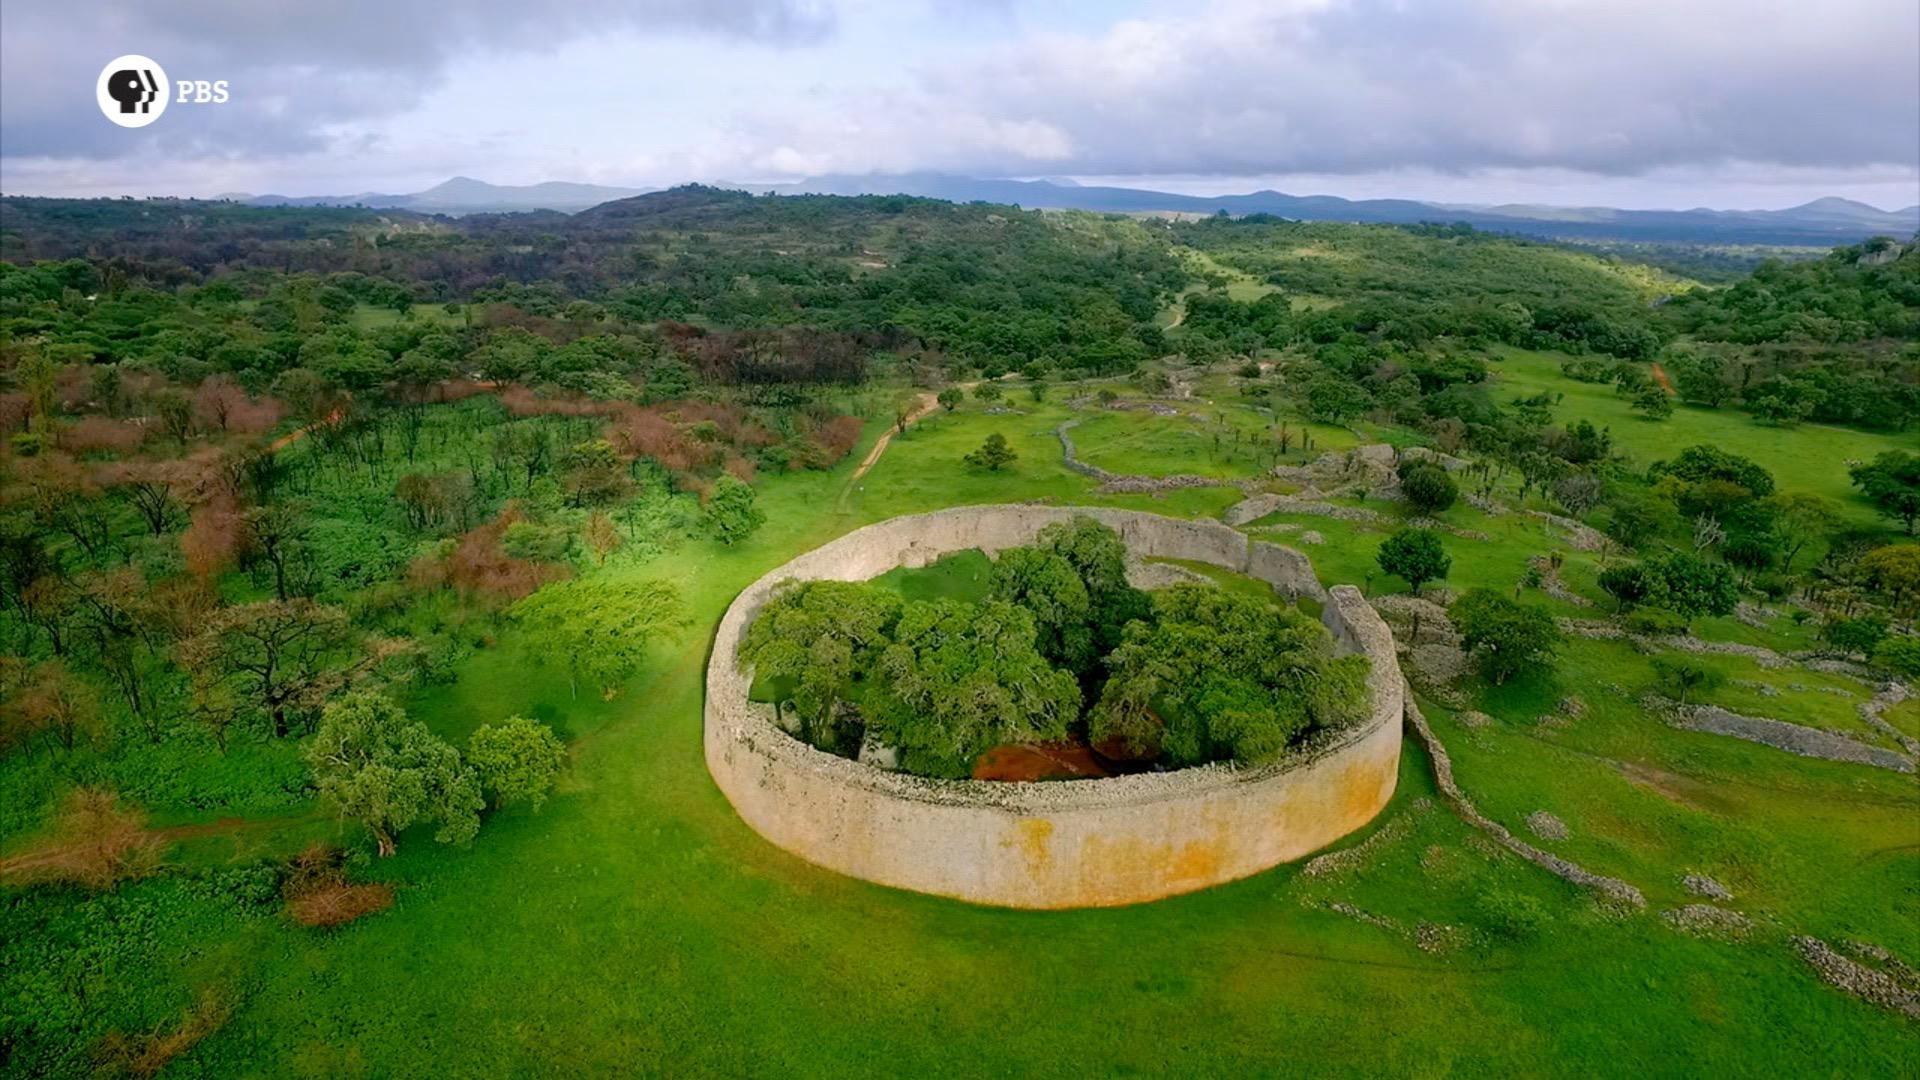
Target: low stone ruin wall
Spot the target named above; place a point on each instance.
(1119, 840)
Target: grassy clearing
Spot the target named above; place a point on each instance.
(1810, 457)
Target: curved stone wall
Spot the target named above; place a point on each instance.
(1081, 843)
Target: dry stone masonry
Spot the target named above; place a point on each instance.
(1083, 843)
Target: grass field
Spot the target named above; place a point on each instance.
(1808, 457)
(636, 925)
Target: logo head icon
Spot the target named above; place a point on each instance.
(132, 91)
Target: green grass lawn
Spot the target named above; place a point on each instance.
(635, 925)
(1809, 457)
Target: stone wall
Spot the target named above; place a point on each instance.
(1065, 844)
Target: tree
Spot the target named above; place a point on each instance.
(1699, 464)
(1503, 635)
(729, 513)
(810, 643)
(1073, 580)
(388, 772)
(950, 398)
(1752, 552)
(1429, 488)
(1690, 586)
(1802, 517)
(1858, 636)
(960, 679)
(1414, 556)
(276, 652)
(993, 455)
(598, 627)
(602, 537)
(1653, 403)
(1633, 520)
(1219, 675)
(516, 760)
(1628, 584)
(1678, 677)
(47, 698)
(988, 391)
(1895, 570)
(1900, 654)
(1891, 481)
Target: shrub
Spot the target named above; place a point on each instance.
(517, 760)
(1511, 915)
(1414, 556)
(994, 454)
(1655, 623)
(96, 844)
(1503, 635)
(1899, 654)
(1429, 488)
(318, 893)
(1678, 677)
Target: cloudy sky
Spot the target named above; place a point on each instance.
(1644, 103)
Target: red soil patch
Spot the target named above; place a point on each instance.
(1660, 376)
(1020, 762)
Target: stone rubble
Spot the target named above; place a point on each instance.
(1612, 889)
(1702, 885)
(1852, 977)
(1546, 826)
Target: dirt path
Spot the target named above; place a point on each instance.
(1660, 376)
(297, 434)
(53, 854)
(928, 402)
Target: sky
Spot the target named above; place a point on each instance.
(1633, 103)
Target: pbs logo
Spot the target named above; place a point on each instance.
(133, 91)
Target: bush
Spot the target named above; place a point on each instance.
(1679, 677)
(1899, 654)
(1429, 488)
(1510, 915)
(1655, 623)
(1414, 556)
(517, 760)
(1503, 635)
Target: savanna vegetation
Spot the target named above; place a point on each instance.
(357, 570)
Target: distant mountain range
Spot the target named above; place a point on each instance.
(1822, 222)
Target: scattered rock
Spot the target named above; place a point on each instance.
(1702, 885)
(1793, 738)
(1854, 978)
(1705, 920)
(1612, 891)
(1581, 536)
(1546, 826)
(1312, 537)
(1889, 695)
(1473, 719)
(1439, 938)
(1368, 917)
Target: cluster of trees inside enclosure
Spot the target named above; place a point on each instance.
(1062, 647)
